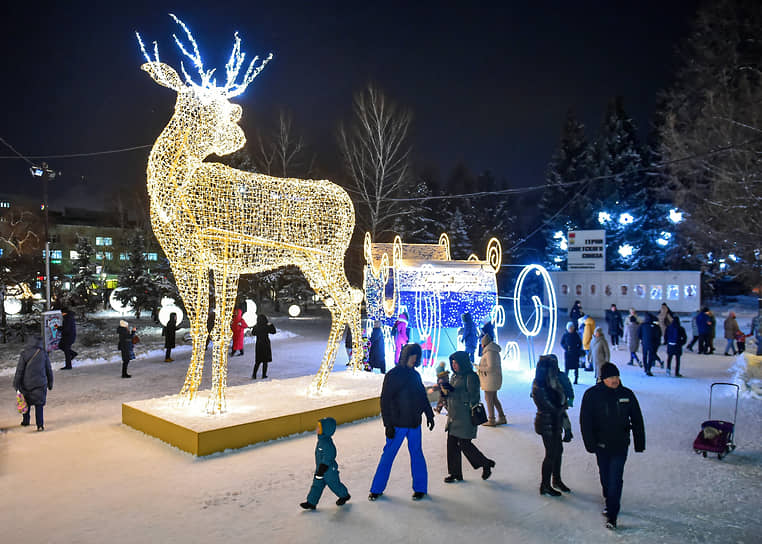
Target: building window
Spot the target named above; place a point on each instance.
(153, 257)
(98, 255)
(103, 240)
(5, 204)
(73, 255)
(124, 257)
(1, 252)
(56, 254)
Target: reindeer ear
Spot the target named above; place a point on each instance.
(164, 75)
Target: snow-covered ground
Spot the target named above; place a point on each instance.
(88, 478)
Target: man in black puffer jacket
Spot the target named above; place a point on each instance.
(608, 412)
(403, 400)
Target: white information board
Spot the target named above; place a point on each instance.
(587, 250)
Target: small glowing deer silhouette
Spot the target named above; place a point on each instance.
(208, 216)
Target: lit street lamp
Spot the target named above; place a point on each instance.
(46, 174)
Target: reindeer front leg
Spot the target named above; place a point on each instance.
(225, 291)
(194, 289)
(329, 357)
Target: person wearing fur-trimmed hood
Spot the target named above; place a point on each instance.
(460, 430)
(33, 378)
(326, 467)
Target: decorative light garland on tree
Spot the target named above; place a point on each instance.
(208, 216)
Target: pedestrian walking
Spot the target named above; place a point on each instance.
(377, 351)
(576, 311)
(587, 338)
(238, 326)
(348, 343)
(326, 467)
(572, 344)
(650, 337)
(401, 335)
(491, 380)
(675, 338)
(550, 399)
(469, 335)
(599, 351)
(125, 345)
(33, 379)
(460, 429)
(632, 339)
(68, 330)
(263, 353)
(403, 401)
(694, 330)
(607, 414)
(704, 323)
(616, 326)
(168, 332)
(712, 331)
(731, 331)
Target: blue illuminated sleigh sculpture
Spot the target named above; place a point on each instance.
(432, 288)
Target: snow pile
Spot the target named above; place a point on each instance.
(747, 372)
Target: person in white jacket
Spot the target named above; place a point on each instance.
(491, 379)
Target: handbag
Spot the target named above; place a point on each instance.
(21, 404)
(135, 339)
(478, 413)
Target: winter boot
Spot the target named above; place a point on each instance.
(490, 423)
(545, 489)
(558, 484)
(307, 505)
(343, 500)
(487, 469)
(501, 420)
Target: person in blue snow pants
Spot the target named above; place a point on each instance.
(403, 401)
(326, 468)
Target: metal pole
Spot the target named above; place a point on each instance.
(47, 240)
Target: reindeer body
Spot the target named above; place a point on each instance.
(210, 217)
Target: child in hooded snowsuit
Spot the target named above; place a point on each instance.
(443, 384)
(327, 470)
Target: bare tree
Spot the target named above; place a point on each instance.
(712, 116)
(283, 153)
(376, 154)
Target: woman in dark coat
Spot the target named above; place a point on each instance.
(576, 312)
(125, 345)
(33, 378)
(464, 394)
(262, 352)
(549, 397)
(168, 332)
(675, 338)
(376, 353)
(616, 326)
(572, 344)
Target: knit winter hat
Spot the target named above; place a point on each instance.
(440, 367)
(123, 323)
(608, 370)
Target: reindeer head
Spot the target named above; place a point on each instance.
(205, 107)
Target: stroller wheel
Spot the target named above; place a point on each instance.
(704, 453)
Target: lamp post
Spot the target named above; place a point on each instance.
(46, 174)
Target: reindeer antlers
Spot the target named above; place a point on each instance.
(232, 68)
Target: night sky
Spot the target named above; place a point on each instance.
(488, 82)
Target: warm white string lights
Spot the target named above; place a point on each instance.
(208, 216)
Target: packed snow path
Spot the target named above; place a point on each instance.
(88, 478)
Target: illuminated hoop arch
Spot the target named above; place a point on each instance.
(538, 307)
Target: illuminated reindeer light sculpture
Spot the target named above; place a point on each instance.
(208, 216)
